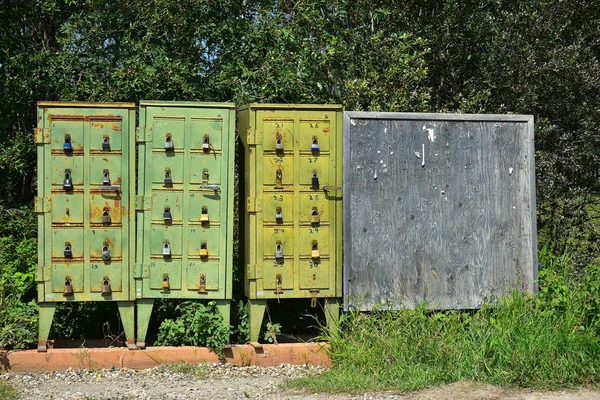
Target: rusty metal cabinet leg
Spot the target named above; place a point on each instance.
(256, 313)
(332, 314)
(127, 312)
(46, 315)
(144, 312)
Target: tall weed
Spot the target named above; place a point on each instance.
(547, 340)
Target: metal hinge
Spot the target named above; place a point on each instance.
(143, 203)
(139, 271)
(41, 136)
(142, 135)
(42, 204)
(254, 204)
(254, 137)
(39, 273)
(253, 271)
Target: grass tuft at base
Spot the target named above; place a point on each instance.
(544, 341)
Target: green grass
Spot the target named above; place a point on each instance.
(7, 392)
(547, 341)
(198, 371)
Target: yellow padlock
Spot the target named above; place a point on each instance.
(204, 215)
(314, 216)
(203, 250)
(165, 283)
(315, 250)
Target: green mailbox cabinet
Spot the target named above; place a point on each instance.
(184, 205)
(292, 224)
(85, 207)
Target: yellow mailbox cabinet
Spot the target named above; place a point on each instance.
(292, 224)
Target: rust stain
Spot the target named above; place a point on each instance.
(110, 242)
(97, 125)
(116, 127)
(105, 118)
(117, 181)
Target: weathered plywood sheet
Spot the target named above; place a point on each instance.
(438, 208)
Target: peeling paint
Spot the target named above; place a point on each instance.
(430, 135)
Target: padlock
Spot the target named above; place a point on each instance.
(165, 283)
(68, 287)
(167, 214)
(106, 178)
(204, 215)
(169, 142)
(315, 250)
(278, 250)
(278, 179)
(205, 176)
(314, 216)
(315, 180)
(67, 146)
(105, 252)
(106, 216)
(68, 251)
(166, 249)
(68, 183)
(106, 290)
(106, 143)
(206, 143)
(202, 285)
(168, 180)
(315, 144)
(203, 249)
(278, 143)
(278, 215)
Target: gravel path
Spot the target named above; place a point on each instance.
(214, 381)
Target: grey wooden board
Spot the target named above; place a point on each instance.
(438, 208)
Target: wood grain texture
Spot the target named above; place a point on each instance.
(437, 210)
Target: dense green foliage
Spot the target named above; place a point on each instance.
(537, 57)
(195, 324)
(544, 341)
(18, 310)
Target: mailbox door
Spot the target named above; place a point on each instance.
(186, 168)
(292, 167)
(85, 202)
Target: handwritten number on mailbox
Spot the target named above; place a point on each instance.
(315, 197)
(278, 198)
(313, 159)
(313, 230)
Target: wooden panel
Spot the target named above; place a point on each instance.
(437, 210)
